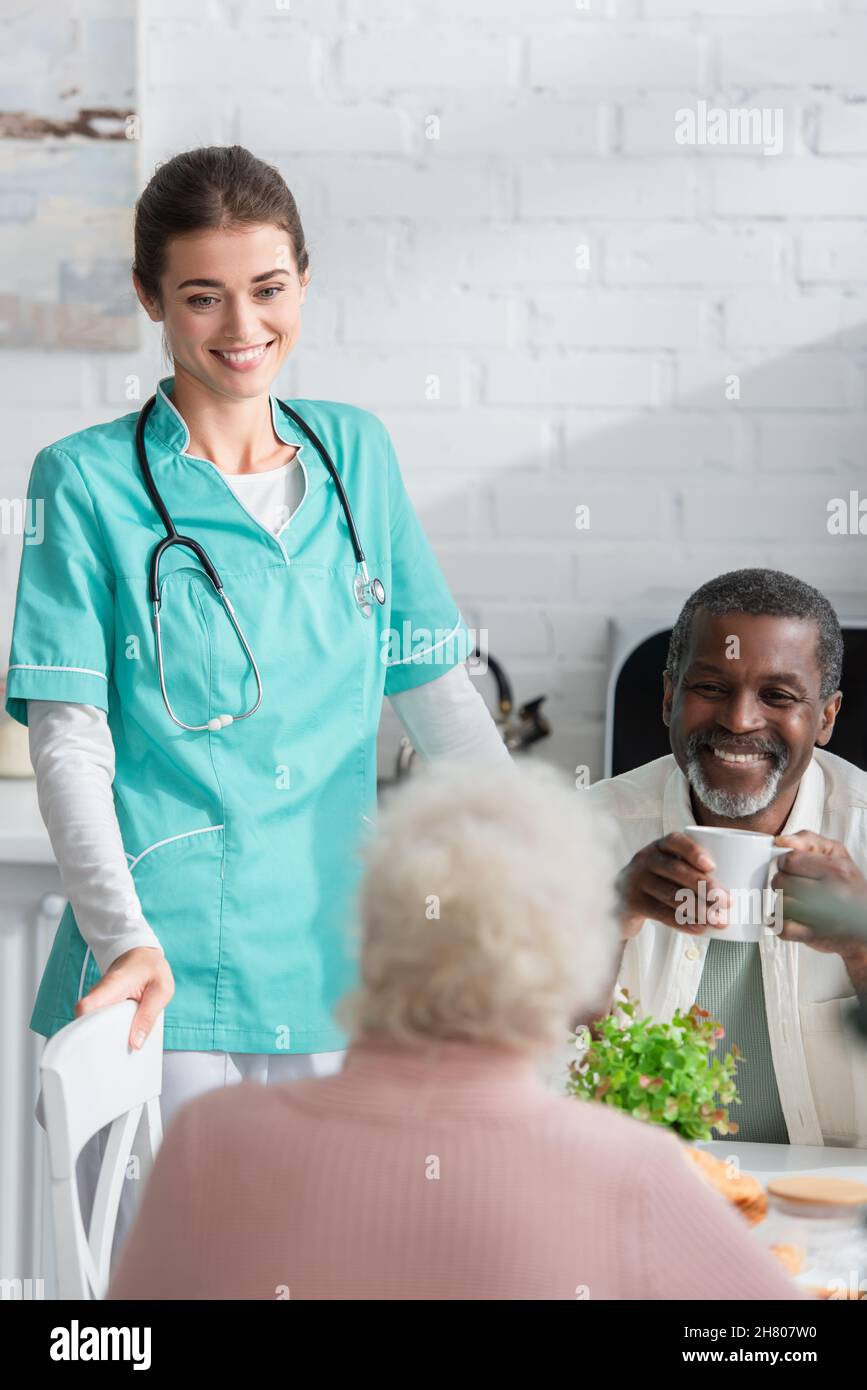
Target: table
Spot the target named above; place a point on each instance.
(767, 1161)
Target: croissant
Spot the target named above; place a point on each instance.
(743, 1191)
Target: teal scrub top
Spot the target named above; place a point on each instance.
(241, 843)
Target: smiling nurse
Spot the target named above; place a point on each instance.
(209, 862)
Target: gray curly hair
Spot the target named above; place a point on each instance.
(760, 591)
(487, 909)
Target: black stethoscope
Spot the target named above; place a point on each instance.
(364, 588)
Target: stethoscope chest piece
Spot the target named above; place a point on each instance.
(367, 589)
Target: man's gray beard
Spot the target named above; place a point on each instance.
(732, 805)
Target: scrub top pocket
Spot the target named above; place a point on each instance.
(179, 883)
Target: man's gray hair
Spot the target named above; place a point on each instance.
(770, 592)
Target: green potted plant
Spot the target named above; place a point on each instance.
(659, 1072)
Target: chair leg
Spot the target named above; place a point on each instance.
(77, 1276)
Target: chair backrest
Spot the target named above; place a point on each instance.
(91, 1077)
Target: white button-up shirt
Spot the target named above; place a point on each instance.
(820, 1065)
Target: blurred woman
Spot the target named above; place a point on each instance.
(437, 1164)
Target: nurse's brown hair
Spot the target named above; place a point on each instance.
(205, 189)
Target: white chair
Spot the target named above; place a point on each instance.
(91, 1077)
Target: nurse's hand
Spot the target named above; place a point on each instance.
(143, 974)
(671, 881)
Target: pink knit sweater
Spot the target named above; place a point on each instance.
(451, 1174)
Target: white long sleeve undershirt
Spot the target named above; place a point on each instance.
(72, 752)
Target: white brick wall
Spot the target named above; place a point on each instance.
(560, 382)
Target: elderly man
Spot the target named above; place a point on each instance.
(750, 698)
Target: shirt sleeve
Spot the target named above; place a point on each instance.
(428, 634)
(72, 752)
(63, 630)
(448, 718)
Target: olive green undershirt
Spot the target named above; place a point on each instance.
(732, 992)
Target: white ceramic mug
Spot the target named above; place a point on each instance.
(744, 862)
